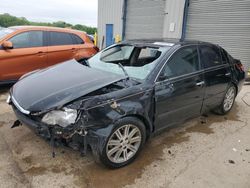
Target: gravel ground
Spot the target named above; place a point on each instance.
(211, 151)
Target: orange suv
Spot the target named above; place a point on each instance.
(27, 48)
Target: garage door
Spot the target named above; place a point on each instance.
(223, 22)
(144, 19)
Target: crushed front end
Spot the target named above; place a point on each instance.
(55, 134)
(90, 119)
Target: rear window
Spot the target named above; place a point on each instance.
(60, 38)
(77, 39)
(147, 53)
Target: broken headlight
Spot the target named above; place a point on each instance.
(63, 117)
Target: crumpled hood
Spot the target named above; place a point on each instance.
(58, 85)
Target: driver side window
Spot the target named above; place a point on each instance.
(184, 61)
(27, 39)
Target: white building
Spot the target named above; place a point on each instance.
(223, 22)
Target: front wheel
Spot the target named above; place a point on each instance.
(124, 143)
(228, 101)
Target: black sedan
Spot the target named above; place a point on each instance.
(123, 95)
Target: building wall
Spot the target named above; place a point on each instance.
(154, 19)
(109, 12)
(223, 22)
(173, 18)
(144, 19)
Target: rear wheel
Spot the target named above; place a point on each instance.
(124, 143)
(228, 101)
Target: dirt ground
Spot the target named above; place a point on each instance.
(211, 151)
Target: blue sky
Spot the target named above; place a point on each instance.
(71, 11)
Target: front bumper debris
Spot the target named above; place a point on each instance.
(56, 135)
(88, 131)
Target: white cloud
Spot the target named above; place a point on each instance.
(71, 11)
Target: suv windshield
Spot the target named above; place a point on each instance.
(4, 32)
(138, 62)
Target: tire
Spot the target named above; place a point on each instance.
(228, 101)
(122, 148)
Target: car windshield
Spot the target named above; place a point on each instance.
(4, 32)
(133, 61)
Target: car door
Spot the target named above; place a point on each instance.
(217, 75)
(61, 47)
(29, 53)
(179, 89)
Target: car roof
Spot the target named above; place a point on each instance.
(162, 42)
(27, 27)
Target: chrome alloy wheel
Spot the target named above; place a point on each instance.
(229, 99)
(123, 143)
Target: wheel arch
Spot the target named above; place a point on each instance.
(147, 124)
(236, 87)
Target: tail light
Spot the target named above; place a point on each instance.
(96, 48)
(239, 66)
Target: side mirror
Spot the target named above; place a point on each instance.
(162, 77)
(7, 45)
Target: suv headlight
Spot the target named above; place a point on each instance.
(63, 117)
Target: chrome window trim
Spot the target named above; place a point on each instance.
(182, 77)
(19, 107)
(192, 74)
(217, 67)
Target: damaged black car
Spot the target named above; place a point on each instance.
(116, 100)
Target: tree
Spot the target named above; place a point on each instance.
(7, 20)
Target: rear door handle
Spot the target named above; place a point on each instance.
(41, 53)
(73, 50)
(200, 83)
(228, 74)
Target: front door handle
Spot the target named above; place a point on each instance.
(200, 83)
(228, 74)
